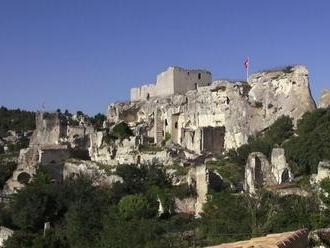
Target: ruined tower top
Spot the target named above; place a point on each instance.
(175, 80)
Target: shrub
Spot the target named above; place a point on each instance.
(312, 143)
(6, 171)
(167, 138)
(98, 120)
(134, 206)
(122, 131)
(276, 134)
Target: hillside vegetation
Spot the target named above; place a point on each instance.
(84, 215)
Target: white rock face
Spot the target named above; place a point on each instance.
(27, 161)
(325, 99)
(280, 167)
(186, 205)
(257, 172)
(323, 171)
(89, 168)
(5, 233)
(201, 188)
(241, 109)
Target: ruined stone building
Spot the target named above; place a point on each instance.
(52, 143)
(217, 116)
(174, 80)
(185, 118)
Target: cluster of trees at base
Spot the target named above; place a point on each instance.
(304, 146)
(84, 215)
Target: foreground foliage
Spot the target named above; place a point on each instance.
(84, 215)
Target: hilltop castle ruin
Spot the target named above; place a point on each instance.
(204, 116)
(175, 80)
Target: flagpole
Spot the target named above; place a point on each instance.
(247, 70)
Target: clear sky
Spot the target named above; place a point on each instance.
(85, 54)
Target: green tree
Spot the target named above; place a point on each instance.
(98, 120)
(36, 204)
(6, 171)
(136, 206)
(225, 219)
(276, 134)
(122, 131)
(312, 143)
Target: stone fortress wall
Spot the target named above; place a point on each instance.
(174, 80)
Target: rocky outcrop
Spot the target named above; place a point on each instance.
(285, 91)
(27, 161)
(260, 173)
(185, 206)
(323, 171)
(280, 168)
(257, 172)
(53, 141)
(223, 115)
(5, 233)
(325, 99)
(74, 168)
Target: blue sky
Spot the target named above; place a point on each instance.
(85, 54)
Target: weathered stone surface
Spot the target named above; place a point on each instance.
(258, 172)
(185, 206)
(325, 99)
(240, 109)
(280, 168)
(174, 80)
(73, 168)
(202, 182)
(52, 142)
(5, 233)
(27, 161)
(323, 171)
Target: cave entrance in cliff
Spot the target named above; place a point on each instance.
(213, 139)
(258, 172)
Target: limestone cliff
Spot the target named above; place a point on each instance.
(325, 99)
(223, 115)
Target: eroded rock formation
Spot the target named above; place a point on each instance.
(5, 233)
(325, 99)
(223, 115)
(260, 173)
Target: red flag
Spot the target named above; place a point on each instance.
(246, 63)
